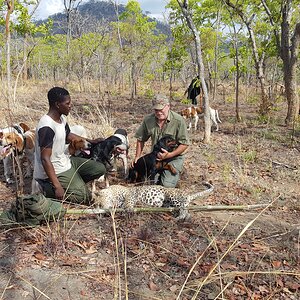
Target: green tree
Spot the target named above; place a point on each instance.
(254, 18)
(176, 54)
(139, 41)
(22, 26)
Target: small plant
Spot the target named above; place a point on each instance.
(86, 108)
(226, 172)
(253, 99)
(269, 135)
(229, 99)
(176, 95)
(255, 191)
(210, 157)
(249, 156)
(239, 146)
(149, 93)
(263, 119)
(186, 101)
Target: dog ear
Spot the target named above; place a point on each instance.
(110, 144)
(17, 141)
(121, 131)
(24, 126)
(71, 148)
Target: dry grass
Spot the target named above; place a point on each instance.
(31, 103)
(217, 255)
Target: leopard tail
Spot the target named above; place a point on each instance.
(209, 189)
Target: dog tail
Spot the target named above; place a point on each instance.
(209, 189)
(217, 115)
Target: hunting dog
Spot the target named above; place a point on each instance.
(191, 113)
(17, 141)
(107, 151)
(194, 113)
(112, 148)
(147, 166)
(78, 146)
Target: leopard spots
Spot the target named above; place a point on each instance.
(147, 195)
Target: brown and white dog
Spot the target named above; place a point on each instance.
(194, 113)
(191, 113)
(17, 141)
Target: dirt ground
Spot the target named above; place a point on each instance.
(223, 254)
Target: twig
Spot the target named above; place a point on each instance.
(96, 211)
(283, 165)
(99, 211)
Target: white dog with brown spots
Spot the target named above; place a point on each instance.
(194, 113)
(17, 141)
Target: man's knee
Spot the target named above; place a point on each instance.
(169, 181)
(79, 196)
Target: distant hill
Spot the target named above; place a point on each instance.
(90, 14)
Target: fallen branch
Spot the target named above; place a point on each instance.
(97, 211)
(276, 163)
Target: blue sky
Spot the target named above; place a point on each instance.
(49, 7)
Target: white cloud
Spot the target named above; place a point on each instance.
(49, 7)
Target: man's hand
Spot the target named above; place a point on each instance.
(162, 155)
(59, 193)
(133, 162)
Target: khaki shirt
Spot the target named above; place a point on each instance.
(174, 126)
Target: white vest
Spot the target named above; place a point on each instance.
(60, 160)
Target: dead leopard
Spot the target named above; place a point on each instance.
(150, 195)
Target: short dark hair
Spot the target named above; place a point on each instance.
(57, 94)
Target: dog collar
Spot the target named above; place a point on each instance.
(20, 131)
(18, 128)
(122, 138)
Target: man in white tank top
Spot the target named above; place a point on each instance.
(61, 176)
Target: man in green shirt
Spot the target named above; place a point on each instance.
(163, 121)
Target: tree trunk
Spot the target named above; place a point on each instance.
(133, 82)
(288, 50)
(258, 59)
(259, 62)
(237, 74)
(25, 69)
(289, 55)
(207, 122)
(10, 9)
(291, 94)
(215, 83)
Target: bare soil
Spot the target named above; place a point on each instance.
(243, 254)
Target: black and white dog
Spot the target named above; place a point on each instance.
(112, 148)
(108, 151)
